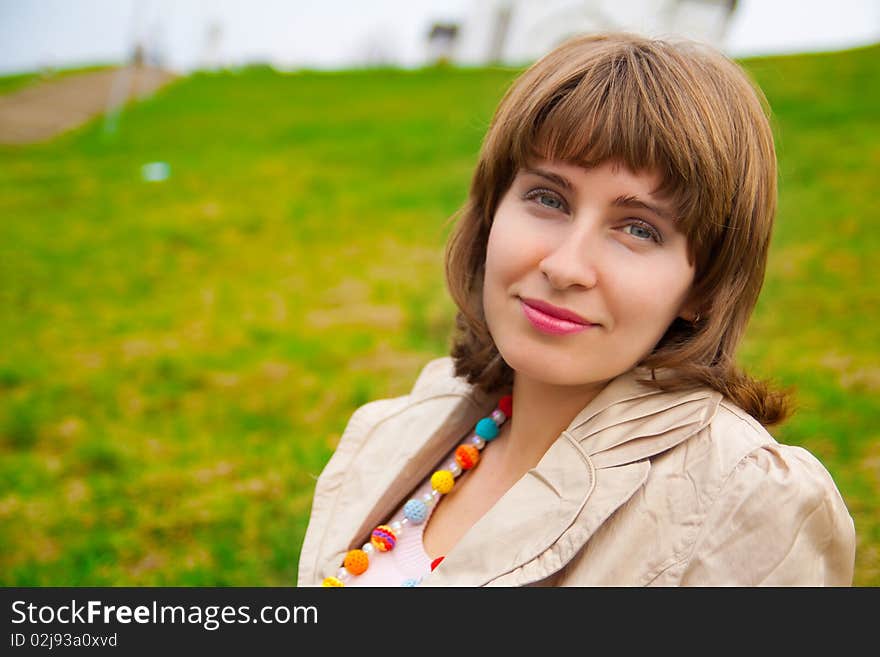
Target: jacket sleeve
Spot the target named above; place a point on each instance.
(778, 520)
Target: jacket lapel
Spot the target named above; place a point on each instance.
(541, 522)
(592, 469)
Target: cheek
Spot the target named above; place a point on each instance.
(496, 276)
(498, 256)
(654, 297)
(505, 266)
(512, 248)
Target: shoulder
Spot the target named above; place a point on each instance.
(751, 446)
(438, 373)
(776, 517)
(734, 434)
(436, 379)
(759, 464)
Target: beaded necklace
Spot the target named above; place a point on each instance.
(416, 510)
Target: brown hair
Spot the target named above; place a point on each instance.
(679, 108)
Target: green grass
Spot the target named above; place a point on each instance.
(19, 81)
(9, 83)
(181, 357)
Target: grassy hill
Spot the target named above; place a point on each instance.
(10, 83)
(180, 357)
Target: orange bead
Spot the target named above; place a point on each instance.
(467, 456)
(356, 562)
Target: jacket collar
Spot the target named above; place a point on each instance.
(595, 466)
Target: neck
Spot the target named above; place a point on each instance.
(541, 412)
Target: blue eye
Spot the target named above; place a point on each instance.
(643, 231)
(553, 199)
(539, 194)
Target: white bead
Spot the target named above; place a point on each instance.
(477, 442)
(368, 548)
(499, 416)
(396, 527)
(343, 574)
(403, 522)
(428, 498)
(454, 468)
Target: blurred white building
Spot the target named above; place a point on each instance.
(519, 31)
(187, 35)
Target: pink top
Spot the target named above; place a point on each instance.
(407, 561)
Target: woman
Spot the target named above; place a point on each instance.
(605, 266)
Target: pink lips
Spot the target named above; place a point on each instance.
(551, 324)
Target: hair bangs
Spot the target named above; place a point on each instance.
(611, 114)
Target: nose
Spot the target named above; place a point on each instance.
(573, 260)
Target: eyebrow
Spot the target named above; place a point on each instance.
(623, 201)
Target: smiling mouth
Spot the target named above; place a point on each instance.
(550, 324)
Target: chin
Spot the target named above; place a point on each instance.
(558, 370)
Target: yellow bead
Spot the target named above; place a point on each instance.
(442, 481)
(332, 581)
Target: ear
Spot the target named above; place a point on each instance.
(690, 311)
(689, 316)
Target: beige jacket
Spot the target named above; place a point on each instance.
(643, 488)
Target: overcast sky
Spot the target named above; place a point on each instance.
(334, 33)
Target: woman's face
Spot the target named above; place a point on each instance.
(585, 241)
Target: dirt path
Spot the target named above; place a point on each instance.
(46, 109)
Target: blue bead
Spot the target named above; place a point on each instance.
(487, 429)
(410, 582)
(415, 511)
